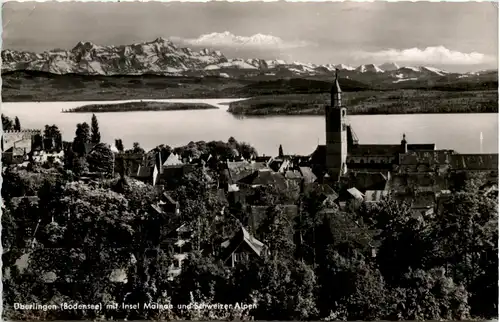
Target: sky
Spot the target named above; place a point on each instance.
(450, 35)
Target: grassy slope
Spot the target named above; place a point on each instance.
(270, 95)
(373, 102)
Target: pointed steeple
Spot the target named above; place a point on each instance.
(336, 87)
(336, 92)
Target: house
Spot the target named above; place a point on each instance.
(347, 196)
(234, 195)
(375, 195)
(14, 155)
(238, 170)
(169, 205)
(363, 180)
(307, 175)
(240, 248)
(323, 191)
(172, 159)
(264, 178)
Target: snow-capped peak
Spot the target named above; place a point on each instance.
(344, 67)
(372, 68)
(434, 70)
(389, 67)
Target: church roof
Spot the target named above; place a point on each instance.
(375, 149)
(421, 147)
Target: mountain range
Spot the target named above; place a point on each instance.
(163, 57)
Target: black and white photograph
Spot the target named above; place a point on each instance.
(280, 161)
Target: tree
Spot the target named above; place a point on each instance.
(96, 135)
(101, 159)
(282, 289)
(82, 137)
(17, 124)
(80, 165)
(53, 137)
(429, 295)
(350, 288)
(136, 148)
(280, 151)
(467, 231)
(277, 230)
(7, 124)
(119, 145)
(247, 151)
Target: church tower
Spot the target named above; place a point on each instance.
(336, 133)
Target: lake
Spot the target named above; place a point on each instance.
(297, 134)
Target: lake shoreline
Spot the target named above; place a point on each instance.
(351, 113)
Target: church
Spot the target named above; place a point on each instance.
(381, 167)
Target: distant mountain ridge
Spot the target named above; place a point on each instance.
(163, 57)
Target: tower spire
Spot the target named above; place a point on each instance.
(335, 93)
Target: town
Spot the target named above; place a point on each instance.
(351, 231)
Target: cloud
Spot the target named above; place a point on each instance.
(429, 55)
(227, 39)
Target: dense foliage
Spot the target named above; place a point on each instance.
(376, 261)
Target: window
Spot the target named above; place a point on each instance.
(343, 112)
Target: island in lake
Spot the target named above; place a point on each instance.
(139, 106)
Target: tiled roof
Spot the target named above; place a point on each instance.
(144, 172)
(242, 236)
(320, 188)
(265, 177)
(307, 174)
(375, 149)
(172, 159)
(239, 170)
(262, 159)
(293, 174)
(355, 193)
